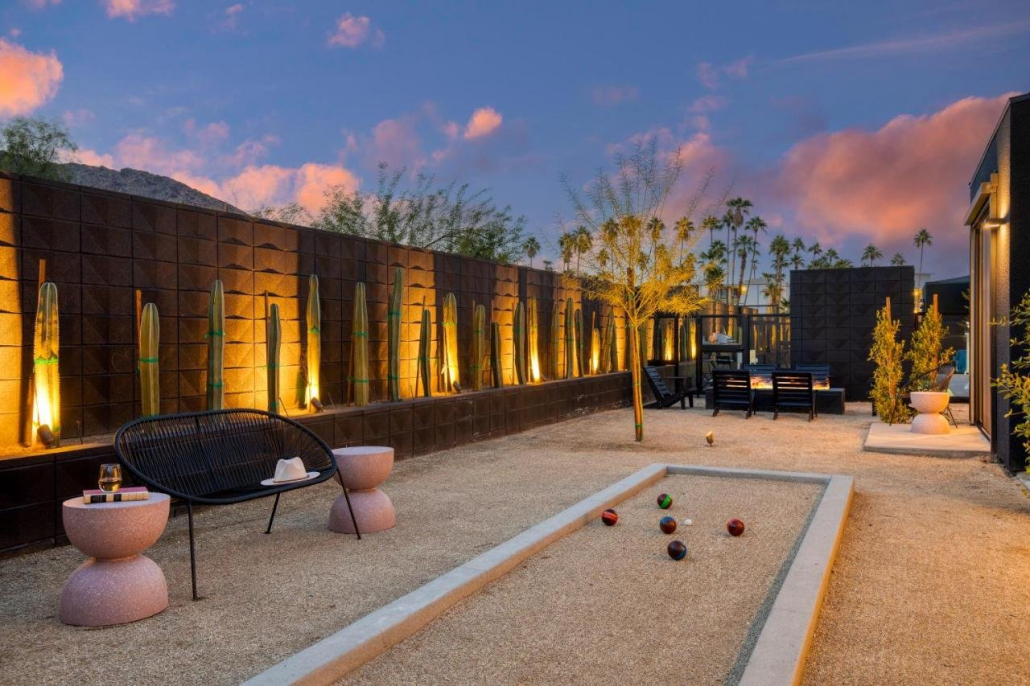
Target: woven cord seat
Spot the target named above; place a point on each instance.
(220, 458)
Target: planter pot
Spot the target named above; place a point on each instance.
(929, 405)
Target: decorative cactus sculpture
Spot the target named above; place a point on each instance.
(581, 343)
(495, 355)
(449, 350)
(604, 360)
(314, 335)
(216, 347)
(149, 343)
(359, 348)
(554, 361)
(393, 336)
(595, 350)
(46, 349)
(273, 346)
(424, 373)
(478, 346)
(533, 340)
(570, 340)
(613, 345)
(519, 342)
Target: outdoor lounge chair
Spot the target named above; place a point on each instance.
(220, 458)
(663, 397)
(793, 390)
(731, 389)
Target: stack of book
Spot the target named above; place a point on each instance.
(122, 495)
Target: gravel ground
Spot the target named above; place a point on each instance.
(932, 584)
(607, 604)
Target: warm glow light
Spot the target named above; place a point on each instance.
(668, 342)
(693, 339)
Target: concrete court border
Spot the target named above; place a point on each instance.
(778, 655)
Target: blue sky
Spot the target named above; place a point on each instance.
(843, 122)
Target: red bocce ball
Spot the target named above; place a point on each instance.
(609, 517)
(735, 527)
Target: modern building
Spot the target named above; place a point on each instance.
(999, 224)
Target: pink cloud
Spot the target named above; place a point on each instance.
(77, 117)
(707, 103)
(710, 75)
(92, 157)
(133, 9)
(613, 95)
(396, 142)
(352, 32)
(27, 79)
(483, 122)
(140, 151)
(883, 185)
(313, 180)
(207, 134)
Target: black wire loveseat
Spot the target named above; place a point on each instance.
(220, 458)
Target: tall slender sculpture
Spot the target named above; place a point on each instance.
(449, 351)
(45, 355)
(393, 335)
(554, 362)
(273, 347)
(581, 343)
(595, 345)
(533, 332)
(216, 347)
(149, 342)
(495, 355)
(519, 341)
(359, 348)
(570, 340)
(424, 373)
(478, 345)
(613, 344)
(314, 322)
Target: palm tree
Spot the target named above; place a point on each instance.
(898, 260)
(779, 248)
(684, 228)
(755, 225)
(531, 248)
(817, 251)
(798, 246)
(870, 255)
(582, 242)
(567, 246)
(744, 250)
(711, 225)
(737, 210)
(548, 266)
(922, 239)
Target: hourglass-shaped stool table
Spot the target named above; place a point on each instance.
(363, 468)
(117, 584)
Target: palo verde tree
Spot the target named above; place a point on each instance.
(1014, 380)
(35, 147)
(637, 263)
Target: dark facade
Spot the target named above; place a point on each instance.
(999, 232)
(833, 313)
(100, 248)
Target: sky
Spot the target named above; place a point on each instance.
(845, 123)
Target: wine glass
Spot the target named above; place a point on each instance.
(110, 477)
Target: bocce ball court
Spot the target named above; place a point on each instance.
(607, 604)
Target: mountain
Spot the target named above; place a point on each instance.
(144, 184)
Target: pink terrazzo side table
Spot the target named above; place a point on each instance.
(117, 584)
(363, 468)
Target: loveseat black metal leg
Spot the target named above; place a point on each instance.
(351, 511)
(193, 552)
(272, 518)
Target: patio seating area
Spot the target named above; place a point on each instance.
(890, 615)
